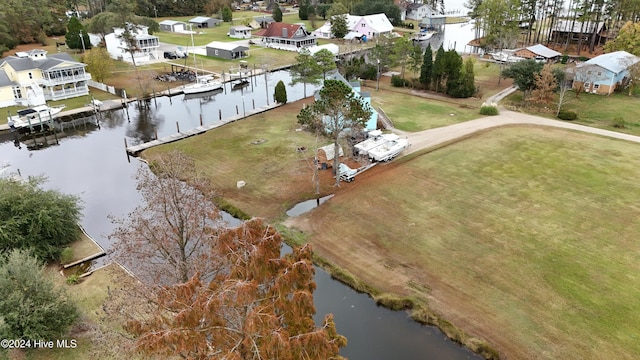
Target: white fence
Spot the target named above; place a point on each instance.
(110, 89)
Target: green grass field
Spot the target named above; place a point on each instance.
(523, 236)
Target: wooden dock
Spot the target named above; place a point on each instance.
(136, 149)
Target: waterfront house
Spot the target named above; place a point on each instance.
(30, 78)
(145, 50)
(538, 52)
(369, 26)
(286, 36)
(605, 73)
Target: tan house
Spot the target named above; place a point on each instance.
(30, 78)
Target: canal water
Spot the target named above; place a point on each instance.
(91, 162)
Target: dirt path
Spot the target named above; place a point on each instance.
(434, 138)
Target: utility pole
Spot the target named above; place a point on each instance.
(82, 39)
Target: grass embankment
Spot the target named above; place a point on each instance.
(261, 150)
(525, 241)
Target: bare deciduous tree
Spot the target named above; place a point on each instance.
(168, 238)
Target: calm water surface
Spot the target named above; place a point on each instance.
(91, 162)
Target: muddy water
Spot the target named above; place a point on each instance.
(91, 162)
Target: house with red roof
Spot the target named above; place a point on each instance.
(283, 36)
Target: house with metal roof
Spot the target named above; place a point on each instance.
(240, 32)
(173, 26)
(605, 73)
(369, 26)
(30, 78)
(145, 50)
(283, 36)
(204, 22)
(226, 50)
(539, 52)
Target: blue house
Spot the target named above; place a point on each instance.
(372, 123)
(605, 73)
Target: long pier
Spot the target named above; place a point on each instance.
(134, 150)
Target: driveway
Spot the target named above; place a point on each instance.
(434, 138)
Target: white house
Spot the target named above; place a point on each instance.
(146, 47)
(368, 25)
(415, 11)
(30, 78)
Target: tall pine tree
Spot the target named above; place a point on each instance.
(426, 69)
(439, 68)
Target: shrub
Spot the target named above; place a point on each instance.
(368, 72)
(489, 109)
(280, 94)
(565, 58)
(73, 279)
(567, 115)
(397, 81)
(618, 122)
(66, 255)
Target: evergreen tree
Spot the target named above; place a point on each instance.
(277, 14)
(31, 306)
(325, 60)
(427, 68)
(280, 94)
(75, 30)
(453, 65)
(466, 83)
(227, 14)
(439, 68)
(306, 70)
(339, 26)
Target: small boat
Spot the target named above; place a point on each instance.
(203, 84)
(423, 36)
(34, 116)
(388, 150)
(240, 84)
(208, 95)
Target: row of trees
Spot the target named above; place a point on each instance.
(502, 21)
(309, 9)
(25, 22)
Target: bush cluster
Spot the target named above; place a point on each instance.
(567, 115)
(489, 109)
(397, 81)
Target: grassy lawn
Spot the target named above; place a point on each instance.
(594, 110)
(410, 114)
(277, 175)
(526, 241)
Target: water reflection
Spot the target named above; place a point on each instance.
(146, 122)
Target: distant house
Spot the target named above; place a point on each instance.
(416, 11)
(571, 30)
(434, 22)
(204, 22)
(30, 78)
(240, 32)
(146, 48)
(225, 50)
(605, 73)
(368, 25)
(286, 36)
(538, 52)
(173, 26)
(261, 21)
(372, 123)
